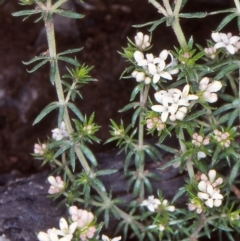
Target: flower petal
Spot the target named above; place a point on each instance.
(216, 37)
(230, 49)
(158, 108)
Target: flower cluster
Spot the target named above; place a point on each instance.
(39, 149)
(222, 138)
(142, 41)
(60, 133)
(153, 204)
(227, 41)
(155, 122)
(65, 231)
(57, 185)
(155, 67)
(208, 189)
(194, 205)
(208, 89)
(173, 102)
(198, 141)
(84, 220)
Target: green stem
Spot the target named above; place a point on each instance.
(57, 4)
(189, 163)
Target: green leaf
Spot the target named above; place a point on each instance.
(25, 12)
(225, 21)
(106, 172)
(69, 60)
(195, 115)
(234, 115)
(127, 161)
(89, 155)
(68, 14)
(136, 90)
(167, 148)
(136, 188)
(53, 69)
(99, 184)
(75, 110)
(136, 113)
(156, 23)
(61, 150)
(38, 66)
(193, 15)
(227, 70)
(223, 108)
(34, 59)
(234, 173)
(45, 111)
(70, 51)
(129, 106)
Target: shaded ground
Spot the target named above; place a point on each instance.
(102, 33)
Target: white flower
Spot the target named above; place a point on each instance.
(201, 155)
(151, 203)
(161, 228)
(209, 89)
(106, 238)
(142, 41)
(56, 184)
(60, 133)
(65, 230)
(226, 41)
(209, 193)
(140, 76)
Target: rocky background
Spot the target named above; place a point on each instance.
(24, 208)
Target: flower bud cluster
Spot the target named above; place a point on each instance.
(154, 203)
(39, 149)
(88, 129)
(227, 41)
(60, 133)
(199, 140)
(142, 41)
(208, 89)
(210, 52)
(57, 185)
(174, 103)
(140, 76)
(195, 206)
(209, 191)
(155, 122)
(84, 220)
(222, 138)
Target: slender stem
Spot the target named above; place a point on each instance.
(237, 4)
(168, 7)
(189, 163)
(58, 85)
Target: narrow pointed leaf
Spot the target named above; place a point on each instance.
(70, 51)
(89, 155)
(38, 66)
(225, 21)
(34, 59)
(25, 12)
(45, 111)
(75, 110)
(193, 15)
(69, 60)
(72, 158)
(68, 14)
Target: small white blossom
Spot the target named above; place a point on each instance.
(140, 76)
(161, 228)
(209, 89)
(167, 207)
(60, 133)
(151, 203)
(56, 184)
(106, 238)
(208, 191)
(65, 230)
(174, 102)
(227, 41)
(142, 41)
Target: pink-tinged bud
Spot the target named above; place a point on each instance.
(227, 143)
(204, 177)
(218, 182)
(191, 207)
(199, 138)
(73, 210)
(199, 210)
(206, 141)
